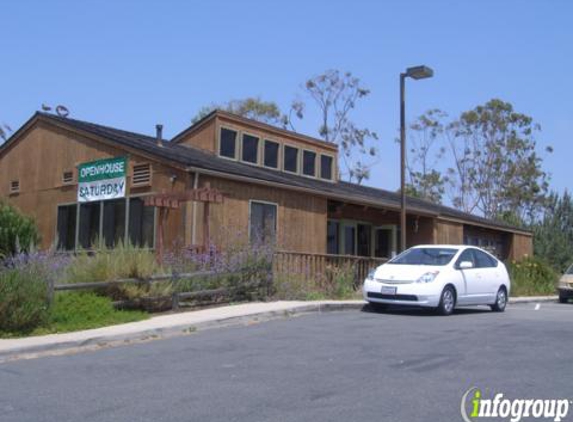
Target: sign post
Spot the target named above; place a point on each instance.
(102, 179)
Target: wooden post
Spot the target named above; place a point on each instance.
(206, 228)
(159, 246)
(175, 294)
(50, 291)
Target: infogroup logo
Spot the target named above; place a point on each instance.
(475, 406)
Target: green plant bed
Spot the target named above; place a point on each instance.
(532, 277)
(73, 311)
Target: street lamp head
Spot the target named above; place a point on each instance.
(419, 72)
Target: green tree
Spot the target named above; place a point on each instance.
(336, 94)
(553, 233)
(424, 153)
(251, 107)
(488, 160)
(500, 170)
(17, 232)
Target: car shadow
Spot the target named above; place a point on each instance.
(421, 312)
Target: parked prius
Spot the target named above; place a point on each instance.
(440, 277)
(565, 287)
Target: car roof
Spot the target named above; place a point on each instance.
(441, 246)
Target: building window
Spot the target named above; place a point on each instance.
(333, 238)
(89, 224)
(228, 143)
(271, 158)
(263, 222)
(113, 222)
(104, 222)
(67, 227)
(15, 186)
(350, 240)
(326, 162)
(309, 163)
(141, 223)
(291, 159)
(250, 153)
(141, 175)
(67, 177)
(364, 240)
(384, 243)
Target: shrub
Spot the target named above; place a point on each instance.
(243, 269)
(293, 286)
(336, 283)
(17, 231)
(23, 299)
(123, 261)
(154, 289)
(532, 276)
(341, 281)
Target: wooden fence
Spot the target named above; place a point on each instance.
(316, 267)
(259, 287)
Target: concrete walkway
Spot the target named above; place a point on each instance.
(183, 323)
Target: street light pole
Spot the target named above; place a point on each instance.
(417, 72)
(402, 162)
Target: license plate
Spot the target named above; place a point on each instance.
(388, 290)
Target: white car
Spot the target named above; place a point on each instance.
(440, 277)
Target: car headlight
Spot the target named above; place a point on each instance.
(428, 277)
(371, 273)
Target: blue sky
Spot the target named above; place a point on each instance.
(132, 64)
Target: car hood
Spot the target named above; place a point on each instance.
(394, 272)
(566, 278)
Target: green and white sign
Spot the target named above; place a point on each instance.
(102, 179)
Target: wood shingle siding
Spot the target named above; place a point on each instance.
(301, 219)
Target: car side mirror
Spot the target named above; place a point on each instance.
(465, 265)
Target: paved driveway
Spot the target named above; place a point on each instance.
(340, 366)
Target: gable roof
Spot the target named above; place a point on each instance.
(193, 159)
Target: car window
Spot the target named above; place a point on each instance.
(468, 256)
(425, 256)
(483, 260)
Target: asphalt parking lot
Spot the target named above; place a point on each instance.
(339, 366)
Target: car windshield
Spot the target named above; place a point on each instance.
(569, 270)
(425, 256)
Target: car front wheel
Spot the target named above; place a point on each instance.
(500, 301)
(447, 301)
(563, 299)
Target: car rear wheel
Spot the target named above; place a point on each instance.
(447, 301)
(500, 300)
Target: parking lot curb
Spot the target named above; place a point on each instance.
(532, 299)
(99, 341)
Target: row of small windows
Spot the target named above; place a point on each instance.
(294, 160)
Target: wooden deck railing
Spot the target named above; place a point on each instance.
(316, 267)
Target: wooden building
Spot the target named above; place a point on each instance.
(276, 184)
